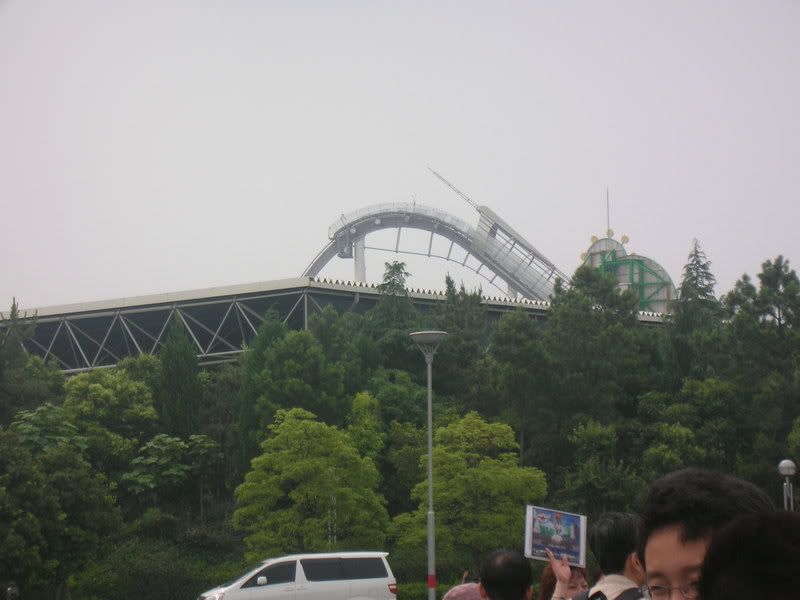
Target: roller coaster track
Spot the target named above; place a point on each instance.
(500, 252)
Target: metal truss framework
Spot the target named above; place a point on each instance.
(220, 322)
(500, 252)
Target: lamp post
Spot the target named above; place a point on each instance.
(787, 469)
(428, 342)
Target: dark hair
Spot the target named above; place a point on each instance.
(756, 556)
(506, 575)
(547, 582)
(613, 538)
(700, 502)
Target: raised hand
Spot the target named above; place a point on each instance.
(560, 567)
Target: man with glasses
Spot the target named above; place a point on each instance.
(681, 512)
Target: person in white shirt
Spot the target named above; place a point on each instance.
(614, 541)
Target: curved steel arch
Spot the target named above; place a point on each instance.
(493, 243)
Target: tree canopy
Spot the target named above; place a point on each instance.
(304, 497)
(315, 440)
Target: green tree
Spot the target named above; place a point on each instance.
(399, 396)
(402, 470)
(253, 362)
(145, 368)
(16, 329)
(29, 515)
(718, 418)
(485, 393)
(524, 374)
(464, 317)
(393, 318)
(203, 454)
(47, 427)
(394, 280)
(480, 492)
(365, 427)
(88, 513)
(26, 382)
(599, 480)
(674, 447)
(179, 394)
(601, 360)
(668, 430)
(761, 337)
(697, 285)
(345, 341)
(602, 289)
(778, 298)
(696, 311)
(331, 332)
(113, 412)
(302, 496)
(219, 418)
(159, 470)
(167, 467)
(793, 440)
(296, 373)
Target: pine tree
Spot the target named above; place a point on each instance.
(697, 305)
(180, 392)
(394, 307)
(15, 329)
(253, 362)
(697, 310)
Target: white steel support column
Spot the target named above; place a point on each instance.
(360, 259)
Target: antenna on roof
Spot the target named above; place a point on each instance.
(608, 211)
(455, 189)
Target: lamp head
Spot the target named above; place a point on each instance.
(787, 468)
(427, 338)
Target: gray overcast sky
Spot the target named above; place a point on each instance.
(149, 147)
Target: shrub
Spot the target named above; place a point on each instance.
(156, 570)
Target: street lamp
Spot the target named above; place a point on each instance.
(428, 342)
(787, 469)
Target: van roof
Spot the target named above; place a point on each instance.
(369, 554)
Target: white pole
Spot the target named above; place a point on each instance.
(431, 519)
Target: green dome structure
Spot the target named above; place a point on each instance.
(649, 280)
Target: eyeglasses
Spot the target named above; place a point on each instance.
(689, 591)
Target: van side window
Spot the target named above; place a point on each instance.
(322, 569)
(275, 574)
(364, 568)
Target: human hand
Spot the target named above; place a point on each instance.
(560, 567)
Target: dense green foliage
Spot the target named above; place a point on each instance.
(309, 490)
(159, 479)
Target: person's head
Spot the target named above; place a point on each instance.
(578, 582)
(755, 556)
(681, 512)
(506, 575)
(465, 591)
(614, 541)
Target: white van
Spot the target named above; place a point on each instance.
(331, 576)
